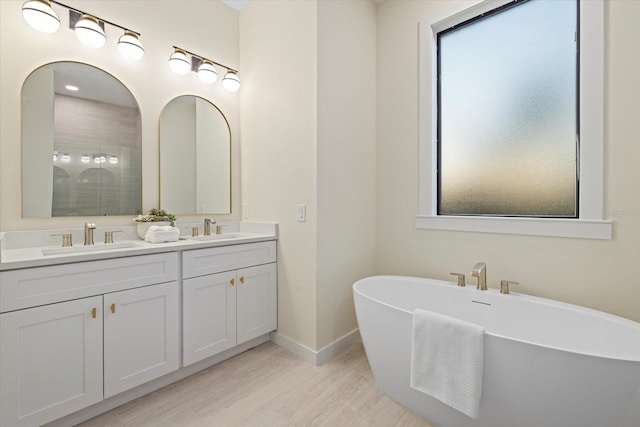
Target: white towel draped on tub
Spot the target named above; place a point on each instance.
(446, 360)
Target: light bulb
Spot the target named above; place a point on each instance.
(99, 159)
(113, 160)
(207, 72)
(179, 62)
(40, 15)
(85, 159)
(129, 46)
(89, 32)
(65, 158)
(231, 81)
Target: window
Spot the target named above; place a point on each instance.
(511, 119)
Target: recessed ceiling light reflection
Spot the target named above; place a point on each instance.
(72, 88)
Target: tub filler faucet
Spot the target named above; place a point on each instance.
(480, 271)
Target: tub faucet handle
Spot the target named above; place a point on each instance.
(504, 286)
(461, 281)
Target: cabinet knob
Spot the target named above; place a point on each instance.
(113, 308)
(241, 279)
(94, 312)
(233, 282)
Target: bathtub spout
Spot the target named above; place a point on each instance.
(480, 271)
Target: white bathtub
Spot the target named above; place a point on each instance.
(546, 363)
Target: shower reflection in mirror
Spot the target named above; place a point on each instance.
(81, 143)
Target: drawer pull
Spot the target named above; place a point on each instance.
(94, 312)
(233, 282)
(113, 308)
(241, 279)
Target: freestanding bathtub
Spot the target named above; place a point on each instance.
(546, 363)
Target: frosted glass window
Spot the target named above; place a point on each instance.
(508, 113)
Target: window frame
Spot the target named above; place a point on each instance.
(590, 222)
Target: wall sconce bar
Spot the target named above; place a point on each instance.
(88, 28)
(179, 63)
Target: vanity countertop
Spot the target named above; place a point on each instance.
(34, 256)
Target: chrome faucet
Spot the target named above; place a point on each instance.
(480, 271)
(207, 226)
(88, 233)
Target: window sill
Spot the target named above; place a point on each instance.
(578, 228)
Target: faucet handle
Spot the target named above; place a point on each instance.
(194, 231)
(66, 239)
(504, 286)
(108, 235)
(461, 281)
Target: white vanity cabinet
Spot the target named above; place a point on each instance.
(50, 361)
(229, 297)
(141, 336)
(74, 334)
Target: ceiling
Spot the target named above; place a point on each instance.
(236, 4)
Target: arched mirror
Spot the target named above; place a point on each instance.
(81, 144)
(195, 158)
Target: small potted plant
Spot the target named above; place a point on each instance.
(154, 217)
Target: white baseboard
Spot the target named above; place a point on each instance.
(312, 356)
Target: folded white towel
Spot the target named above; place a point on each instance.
(447, 357)
(161, 234)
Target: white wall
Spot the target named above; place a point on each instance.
(346, 160)
(208, 28)
(597, 274)
(308, 137)
(278, 123)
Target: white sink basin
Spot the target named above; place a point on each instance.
(217, 237)
(88, 248)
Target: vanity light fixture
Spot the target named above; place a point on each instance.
(207, 72)
(40, 15)
(99, 159)
(88, 28)
(231, 82)
(180, 63)
(113, 160)
(85, 158)
(65, 158)
(129, 45)
(89, 31)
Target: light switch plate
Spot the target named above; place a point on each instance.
(301, 213)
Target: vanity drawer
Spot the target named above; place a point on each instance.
(199, 262)
(45, 285)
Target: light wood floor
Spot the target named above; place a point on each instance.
(269, 387)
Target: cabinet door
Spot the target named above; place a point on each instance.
(208, 315)
(257, 301)
(50, 361)
(141, 339)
